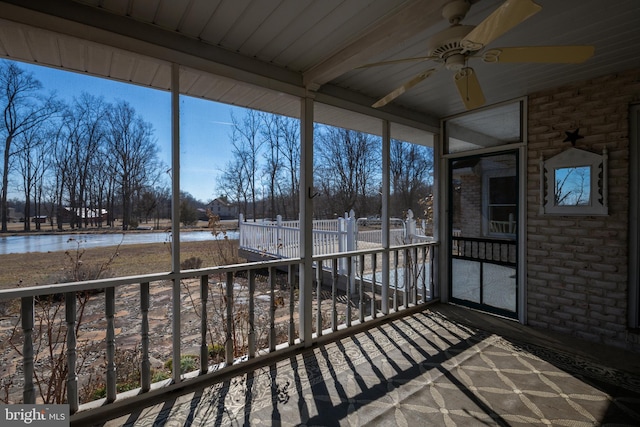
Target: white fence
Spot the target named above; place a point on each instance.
(281, 239)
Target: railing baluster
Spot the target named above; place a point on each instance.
(292, 302)
(145, 373)
(414, 279)
(72, 377)
(407, 278)
(319, 298)
(348, 287)
(433, 292)
(252, 314)
(204, 348)
(361, 290)
(272, 309)
(374, 259)
(395, 278)
(334, 286)
(110, 308)
(424, 274)
(28, 393)
(229, 338)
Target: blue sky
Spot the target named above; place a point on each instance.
(205, 126)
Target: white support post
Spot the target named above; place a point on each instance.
(386, 191)
(306, 220)
(175, 215)
(351, 246)
(410, 228)
(242, 231)
(442, 179)
(279, 242)
(342, 244)
(437, 252)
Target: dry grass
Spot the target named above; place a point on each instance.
(44, 268)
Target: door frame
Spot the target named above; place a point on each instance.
(634, 216)
(444, 212)
(484, 240)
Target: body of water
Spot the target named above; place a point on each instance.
(63, 242)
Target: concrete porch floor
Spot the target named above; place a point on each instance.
(445, 365)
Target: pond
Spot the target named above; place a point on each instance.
(62, 242)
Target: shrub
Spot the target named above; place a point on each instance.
(191, 263)
(188, 363)
(216, 351)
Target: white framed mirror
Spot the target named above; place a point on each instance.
(574, 182)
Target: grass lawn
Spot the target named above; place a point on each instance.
(45, 268)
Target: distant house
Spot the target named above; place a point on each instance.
(223, 209)
(91, 215)
(40, 219)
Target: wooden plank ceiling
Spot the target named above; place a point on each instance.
(263, 54)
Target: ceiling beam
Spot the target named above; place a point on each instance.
(401, 24)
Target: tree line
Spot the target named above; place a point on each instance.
(74, 161)
(263, 174)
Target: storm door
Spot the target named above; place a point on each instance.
(483, 197)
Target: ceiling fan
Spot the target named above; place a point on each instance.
(453, 47)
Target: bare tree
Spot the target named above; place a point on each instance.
(247, 145)
(411, 169)
(133, 153)
(33, 159)
(62, 166)
(162, 204)
(232, 182)
(348, 169)
(289, 131)
(23, 108)
(272, 168)
(85, 126)
(572, 186)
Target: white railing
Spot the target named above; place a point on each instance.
(281, 239)
(253, 306)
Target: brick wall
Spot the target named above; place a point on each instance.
(577, 265)
(469, 209)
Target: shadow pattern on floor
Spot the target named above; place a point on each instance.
(416, 371)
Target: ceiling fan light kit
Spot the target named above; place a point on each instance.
(453, 47)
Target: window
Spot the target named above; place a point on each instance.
(574, 182)
(500, 201)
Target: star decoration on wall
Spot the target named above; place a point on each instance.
(573, 136)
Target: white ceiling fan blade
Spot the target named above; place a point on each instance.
(548, 54)
(507, 16)
(397, 61)
(402, 89)
(469, 88)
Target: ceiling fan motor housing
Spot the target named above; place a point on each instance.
(446, 46)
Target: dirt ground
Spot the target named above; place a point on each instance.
(30, 269)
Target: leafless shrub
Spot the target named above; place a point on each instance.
(50, 331)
